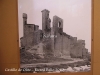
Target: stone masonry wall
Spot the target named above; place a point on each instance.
(51, 41)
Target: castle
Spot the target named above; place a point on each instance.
(51, 41)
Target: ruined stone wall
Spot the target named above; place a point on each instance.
(57, 25)
(58, 47)
(29, 28)
(27, 40)
(81, 48)
(62, 41)
(37, 37)
(47, 47)
(85, 53)
(66, 46)
(31, 34)
(57, 31)
(77, 49)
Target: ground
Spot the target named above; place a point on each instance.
(52, 65)
(29, 61)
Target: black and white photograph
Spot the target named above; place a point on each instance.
(55, 35)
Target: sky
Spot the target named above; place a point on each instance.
(75, 13)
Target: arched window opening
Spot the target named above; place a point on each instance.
(59, 24)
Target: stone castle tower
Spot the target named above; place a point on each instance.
(57, 25)
(46, 22)
(57, 40)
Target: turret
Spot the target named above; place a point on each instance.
(24, 18)
(45, 20)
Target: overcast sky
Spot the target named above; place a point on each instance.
(75, 13)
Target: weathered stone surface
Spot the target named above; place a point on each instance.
(51, 41)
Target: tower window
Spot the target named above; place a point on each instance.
(59, 24)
